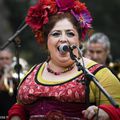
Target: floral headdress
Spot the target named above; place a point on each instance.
(38, 15)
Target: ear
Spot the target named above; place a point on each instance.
(108, 52)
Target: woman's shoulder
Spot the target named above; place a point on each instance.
(93, 66)
(35, 66)
(89, 63)
(34, 69)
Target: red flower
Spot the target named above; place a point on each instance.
(50, 5)
(78, 7)
(38, 15)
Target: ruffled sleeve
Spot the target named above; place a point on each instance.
(18, 110)
(113, 112)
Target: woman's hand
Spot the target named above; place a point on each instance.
(91, 113)
(15, 118)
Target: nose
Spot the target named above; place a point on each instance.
(95, 56)
(63, 38)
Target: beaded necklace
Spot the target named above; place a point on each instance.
(58, 73)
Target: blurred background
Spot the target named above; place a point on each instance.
(105, 14)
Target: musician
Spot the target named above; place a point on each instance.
(98, 48)
(55, 89)
(8, 85)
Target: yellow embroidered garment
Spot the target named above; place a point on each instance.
(34, 86)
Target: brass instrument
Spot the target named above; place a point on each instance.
(24, 67)
(7, 80)
(115, 66)
(10, 77)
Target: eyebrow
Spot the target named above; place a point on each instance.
(70, 30)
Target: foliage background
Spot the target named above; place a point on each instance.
(12, 14)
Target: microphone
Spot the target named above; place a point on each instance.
(63, 48)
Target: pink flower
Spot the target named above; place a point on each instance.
(65, 4)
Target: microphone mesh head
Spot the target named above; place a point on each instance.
(63, 48)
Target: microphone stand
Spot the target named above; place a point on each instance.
(90, 77)
(18, 66)
(17, 43)
(11, 39)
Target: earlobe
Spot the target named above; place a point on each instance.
(108, 52)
